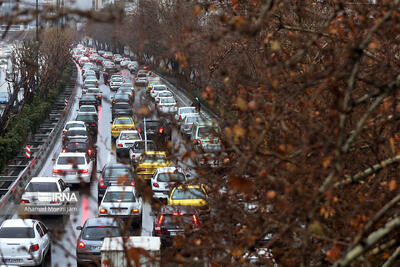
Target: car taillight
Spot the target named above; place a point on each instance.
(99, 96)
(135, 211)
(64, 150)
(34, 247)
(120, 145)
(102, 211)
(133, 156)
(160, 131)
(131, 95)
(198, 141)
(139, 130)
(180, 117)
(195, 220)
(113, 101)
(156, 185)
(54, 202)
(64, 131)
(81, 244)
(106, 73)
(101, 183)
(177, 214)
(93, 124)
(90, 151)
(226, 160)
(132, 183)
(24, 201)
(203, 160)
(57, 171)
(158, 226)
(84, 171)
(140, 170)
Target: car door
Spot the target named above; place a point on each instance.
(41, 239)
(46, 237)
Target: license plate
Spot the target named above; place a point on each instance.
(13, 260)
(172, 233)
(98, 248)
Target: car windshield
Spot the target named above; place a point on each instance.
(123, 121)
(140, 146)
(73, 125)
(168, 100)
(187, 110)
(100, 232)
(188, 193)
(171, 177)
(121, 97)
(87, 109)
(160, 88)
(42, 187)
(119, 197)
(165, 94)
(71, 160)
(86, 117)
(129, 136)
(153, 158)
(116, 79)
(17, 232)
(93, 91)
(206, 131)
(116, 172)
(142, 75)
(192, 119)
(124, 90)
(75, 132)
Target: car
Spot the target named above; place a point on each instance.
(73, 124)
(107, 72)
(138, 148)
(121, 109)
(126, 91)
(162, 94)
(114, 173)
(89, 73)
(87, 67)
(89, 99)
(173, 221)
(133, 66)
(101, 52)
(124, 64)
(167, 105)
(76, 133)
(96, 91)
(191, 195)
(91, 122)
(186, 124)
(81, 145)
(151, 83)
(24, 242)
(117, 58)
(213, 159)
(127, 85)
(90, 82)
(156, 129)
(88, 109)
(83, 60)
(121, 123)
(93, 57)
(4, 96)
(122, 97)
(141, 81)
(108, 55)
(122, 201)
(182, 112)
(91, 237)
(149, 162)
(204, 136)
(125, 140)
(164, 178)
(73, 167)
(156, 88)
(40, 191)
(115, 83)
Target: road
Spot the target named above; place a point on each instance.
(64, 228)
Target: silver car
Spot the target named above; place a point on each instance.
(186, 125)
(165, 178)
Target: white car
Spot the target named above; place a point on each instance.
(40, 191)
(183, 112)
(161, 94)
(164, 179)
(136, 150)
(121, 201)
(142, 81)
(73, 167)
(23, 242)
(157, 88)
(73, 124)
(88, 109)
(115, 83)
(125, 140)
(167, 105)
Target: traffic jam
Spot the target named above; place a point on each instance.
(120, 159)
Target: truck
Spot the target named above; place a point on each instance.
(145, 250)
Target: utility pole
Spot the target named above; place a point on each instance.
(37, 45)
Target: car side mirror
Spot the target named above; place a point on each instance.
(79, 228)
(53, 159)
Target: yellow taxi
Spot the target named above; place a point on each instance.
(149, 162)
(151, 83)
(121, 124)
(190, 195)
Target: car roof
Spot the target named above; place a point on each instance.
(75, 122)
(189, 186)
(18, 223)
(85, 106)
(72, 154)
(117, 165)
(102, 221)
(119, 188)
(123, 118)
(44, 179)
(168, 169)
(129, 131)
(155, 153)
(184, 209)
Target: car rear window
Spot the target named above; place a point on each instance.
(123, 121)
(159, 88)
(206, 131)
(167, 100)
(177, 220)
(192, 119)
(42, 187)
(187, 110)
(86, 117)
(73, 125)
(171, 177)
(17, 232)
(116, 172)
(88, 97)
(71, 160)
(87, 109)
(76, 146)
(129, 136)
(188, 193)
(119, 197)
(121, 96)
(165, 94)
(100, 232)
(116, 79)
(74, 132)
(150, 146)
(157, 158)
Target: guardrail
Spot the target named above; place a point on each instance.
(11, 197)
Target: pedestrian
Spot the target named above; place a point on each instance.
(196, 103)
